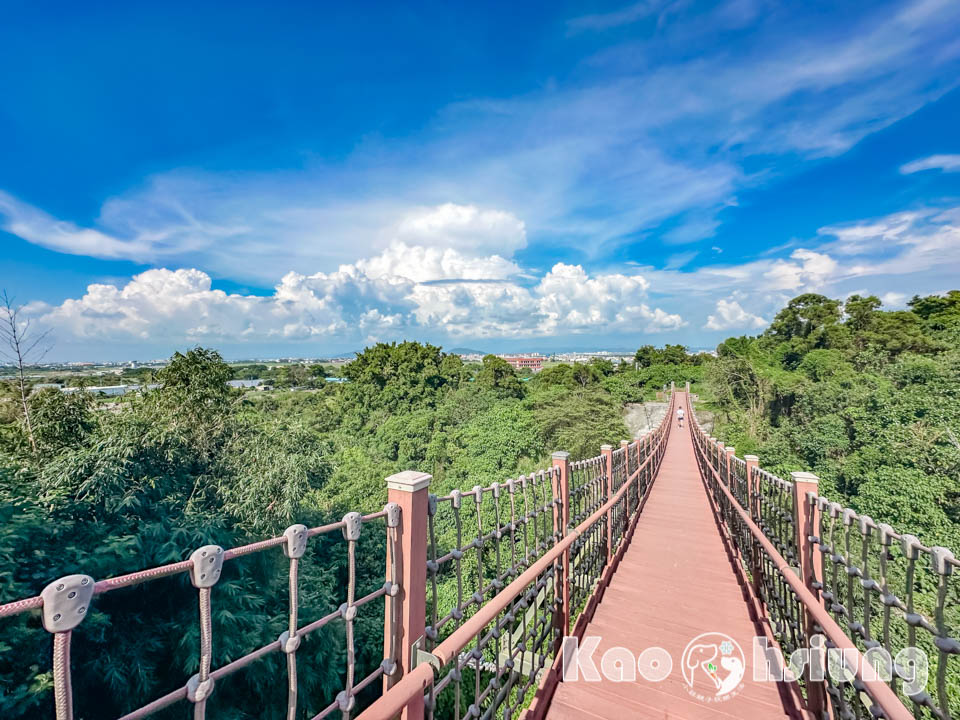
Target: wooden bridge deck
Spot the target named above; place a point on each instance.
(676, 581)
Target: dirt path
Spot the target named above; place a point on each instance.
(643, 416)
(646, 416)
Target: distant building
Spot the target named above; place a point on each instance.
(244, 384)
(532, 363)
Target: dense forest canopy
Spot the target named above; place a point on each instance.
(868, 399)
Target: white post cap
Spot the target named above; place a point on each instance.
(409, 481)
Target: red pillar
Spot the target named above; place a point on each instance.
(561, 461)
(811, 562)
(411, 491)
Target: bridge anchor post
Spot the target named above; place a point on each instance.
(806, 517)
(405, 620)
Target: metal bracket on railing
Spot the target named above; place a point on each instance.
(296, 545)
(352, 523)
(65, 602)
(207, 564)
(940, 560)
(199, 691)
(421, 656)
(392, 510)
(288, 644)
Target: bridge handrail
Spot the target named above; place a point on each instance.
(807, 583)
(424, 675)
(71, 596)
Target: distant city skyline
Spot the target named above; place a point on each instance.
(346, 357)
(309, 179)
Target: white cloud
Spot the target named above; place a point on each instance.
(463, 227)
(166, 305)
(946, 163)
(605, 21)
(450, 242)
(38, 227)
(431, 291)
(894, 299)
(350, 305)
(893, 257)
(810, 270)
(729, 315)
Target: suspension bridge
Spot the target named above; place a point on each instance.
(669, 555)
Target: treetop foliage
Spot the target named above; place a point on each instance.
(866, 398)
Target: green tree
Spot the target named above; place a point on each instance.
(498, 376)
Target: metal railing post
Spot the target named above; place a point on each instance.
(721, 463)
(730, 451)
(752, 462)
(410, 490)
(811, 567)
(624, 445)
(561, 461)
(607, 452)
(643, 448)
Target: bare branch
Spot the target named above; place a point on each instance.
(22, 349)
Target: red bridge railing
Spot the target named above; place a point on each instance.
(822, 570)
(479, 588)
(494, 652)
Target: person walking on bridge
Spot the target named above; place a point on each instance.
(680, 418)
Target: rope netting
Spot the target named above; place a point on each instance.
(882, 589)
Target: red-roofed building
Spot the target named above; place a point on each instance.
(519, 363)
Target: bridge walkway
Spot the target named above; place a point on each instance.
(676, 580)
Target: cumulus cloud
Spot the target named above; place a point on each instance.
(808, 270)
(180, 305)
(469, 291)
(349, 304)
(946, 163)
(463, 227)
(894, 299)
(729, 315)
(450, 242)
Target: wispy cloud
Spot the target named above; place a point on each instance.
(640, 138)
(946, 163)
(617, 18)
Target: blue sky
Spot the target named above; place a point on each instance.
(309, 178)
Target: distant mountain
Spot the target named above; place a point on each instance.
(466, 351)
